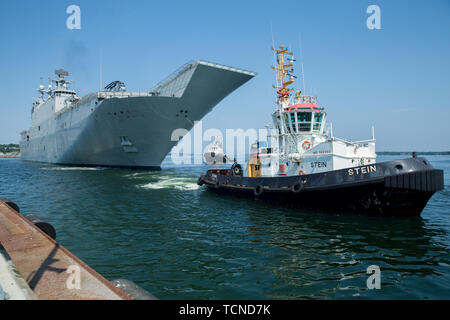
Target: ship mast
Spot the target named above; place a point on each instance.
(284, 70)
(284, 61)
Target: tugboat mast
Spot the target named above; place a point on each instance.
(283, 91)
(285, 78)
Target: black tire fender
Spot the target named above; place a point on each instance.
(297, 187)
(133, 290)
(259, 189)
(236, 170)
(46, 227)
(11, 204)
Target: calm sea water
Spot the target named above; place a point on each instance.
(179, 241)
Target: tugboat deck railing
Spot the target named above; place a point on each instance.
(354, 142)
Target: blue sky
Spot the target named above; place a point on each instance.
(396, 78)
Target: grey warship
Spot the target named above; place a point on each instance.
(118, 128)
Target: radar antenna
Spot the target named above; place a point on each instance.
(61, 73)
(116, 86)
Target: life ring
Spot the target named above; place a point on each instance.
(306, 145)
(301, 172)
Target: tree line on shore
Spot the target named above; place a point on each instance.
(9, 148)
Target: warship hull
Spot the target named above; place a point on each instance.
(394, 188)
(126, 129)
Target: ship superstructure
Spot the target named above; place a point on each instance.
(304, 142)
(115, 127)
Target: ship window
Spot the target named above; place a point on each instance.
(286, 120)
(294, 127)
(317, 121)
(304, 116)
(304, 121)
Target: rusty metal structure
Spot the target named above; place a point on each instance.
(50, 270)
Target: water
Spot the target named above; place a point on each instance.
(179, 241)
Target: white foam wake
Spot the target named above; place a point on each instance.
(72, 168)
(171, 182)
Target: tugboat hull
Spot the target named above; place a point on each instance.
(401, 187)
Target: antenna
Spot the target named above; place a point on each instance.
(331, 130)
(283, 62)
(61, 73)
(274, 55)
(101, 72)
(301, 61)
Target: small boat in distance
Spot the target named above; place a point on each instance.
(310, 168)
(215, 154)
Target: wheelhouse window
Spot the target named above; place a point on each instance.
(304, 121)
(318, 117)
(286, 119)
(294, 126)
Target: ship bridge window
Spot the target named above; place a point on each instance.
(294, 127)
(286, 120)
(304, 121)
(317, 121)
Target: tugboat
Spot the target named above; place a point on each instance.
(311, 169)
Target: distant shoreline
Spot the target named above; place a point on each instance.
(425, 153)
(381, 153)
(9, 151)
